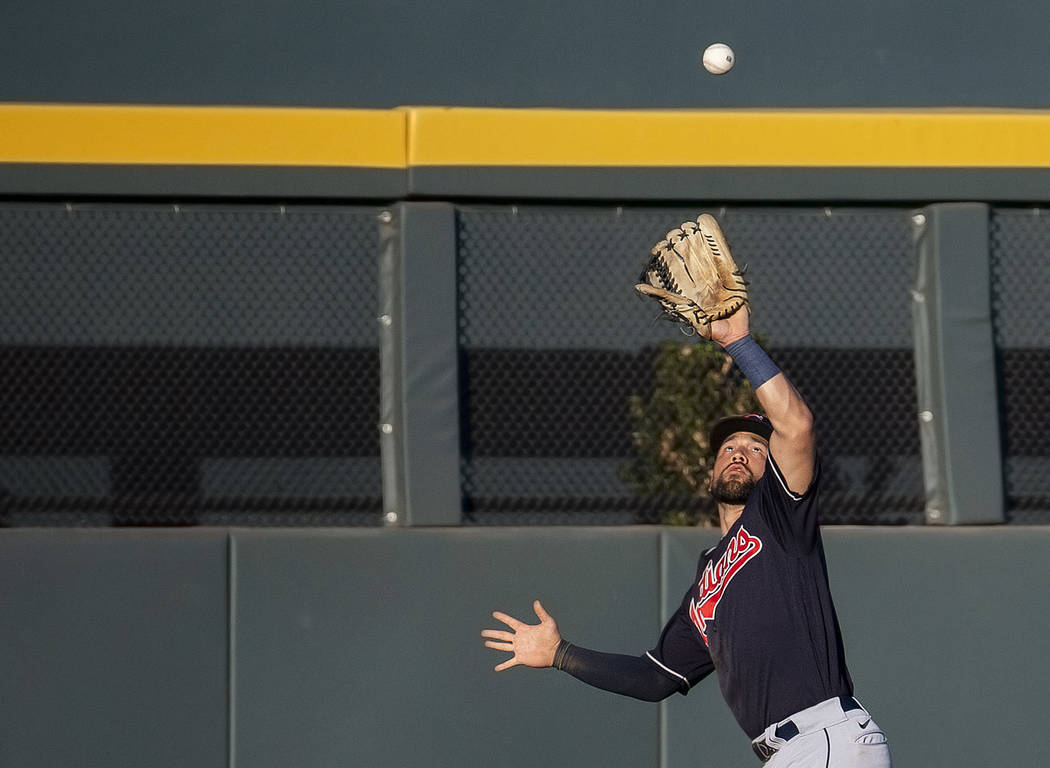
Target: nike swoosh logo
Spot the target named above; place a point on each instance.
(865, 723)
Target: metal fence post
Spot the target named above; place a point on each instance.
(419, 365)
(955, 366)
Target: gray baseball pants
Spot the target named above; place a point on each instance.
(837, 733)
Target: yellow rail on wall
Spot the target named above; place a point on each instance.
(460, 136)
(761, 138)
(163, 135)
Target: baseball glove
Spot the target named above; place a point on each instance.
(693, 276)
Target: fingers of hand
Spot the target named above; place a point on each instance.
(498, 634)
(510, 621)
(541, 613)
(506, 665)
(501, 641)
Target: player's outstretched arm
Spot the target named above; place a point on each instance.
(793, 442)
(541, 645)
(532, 645)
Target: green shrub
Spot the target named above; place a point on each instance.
(694, 385)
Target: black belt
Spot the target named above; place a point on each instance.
(788, 730)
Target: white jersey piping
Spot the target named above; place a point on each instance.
(667, 669)
(780, 479)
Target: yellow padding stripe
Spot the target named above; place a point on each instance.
(66, 133)
(434, 136)
(763, 138)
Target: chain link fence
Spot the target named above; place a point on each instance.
(219, 365)
(167, 365)
(1020, 275)
(555, 343)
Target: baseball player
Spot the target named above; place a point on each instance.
(759, 613)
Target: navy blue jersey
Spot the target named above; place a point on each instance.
(760, 612)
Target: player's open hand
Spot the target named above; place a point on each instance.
(533, 645)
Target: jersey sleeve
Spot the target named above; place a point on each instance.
(681, 653)
(793, 518)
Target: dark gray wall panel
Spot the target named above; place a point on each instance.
(113, 649)
(429, 364)
(617, 53)
(945, 634)
(202, 181)
(717, 185)
(364, 648)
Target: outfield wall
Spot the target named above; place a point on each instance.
(233, 647)
(591, 53)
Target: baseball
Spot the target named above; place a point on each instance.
(718, 58)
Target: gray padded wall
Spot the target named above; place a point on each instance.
(372, 53)
(362, 647)
(358, 648)
(113, 649)
(946, 636)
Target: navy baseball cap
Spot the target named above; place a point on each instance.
(754, 423)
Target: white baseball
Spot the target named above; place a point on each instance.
(718, 58)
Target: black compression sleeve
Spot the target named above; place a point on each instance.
(634, 676)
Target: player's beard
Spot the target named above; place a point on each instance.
(734, 489)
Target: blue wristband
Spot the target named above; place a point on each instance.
(752, 361)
